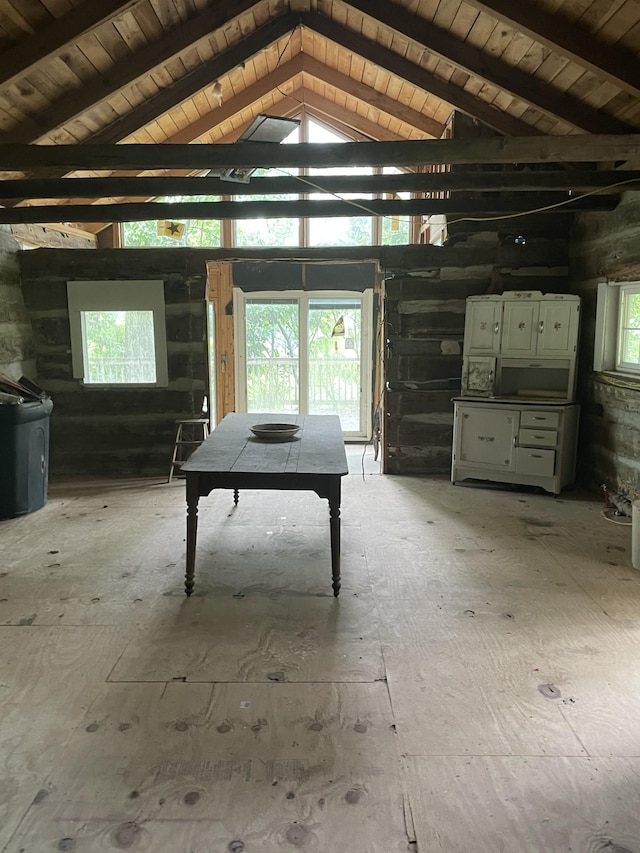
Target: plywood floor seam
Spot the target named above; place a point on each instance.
(475, 687)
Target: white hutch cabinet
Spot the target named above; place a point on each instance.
(516, 421)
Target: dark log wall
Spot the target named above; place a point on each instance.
(607, 246)
(425, 310)
(107, 431)
(16, 337)
(130, 431)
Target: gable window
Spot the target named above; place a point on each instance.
(118, 332)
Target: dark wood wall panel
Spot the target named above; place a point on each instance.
(128, 431)
(424, 331)
(607, 247)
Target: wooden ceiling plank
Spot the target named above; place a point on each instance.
(196, 81)
(141, 211)
(135, 68)
(416, 75)
(514, 80)
(615, 64)
(18, 60)
(249, 96)
(370, 96)
(574, 148)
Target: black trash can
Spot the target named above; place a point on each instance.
(24, 456)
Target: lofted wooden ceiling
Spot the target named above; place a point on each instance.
(148, 71)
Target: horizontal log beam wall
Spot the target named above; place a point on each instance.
(112, 431)
(609, 438)
(424, 329)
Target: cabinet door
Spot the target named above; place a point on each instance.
(486, 437)
(482, 327)
(478, 375)
(557, 327)
(520, 328)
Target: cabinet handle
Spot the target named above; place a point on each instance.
(496, 328)
(541, 326)
(538, 436)
(539, 418)
(535, 456)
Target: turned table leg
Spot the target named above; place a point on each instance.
(192, 531)
(334, 523)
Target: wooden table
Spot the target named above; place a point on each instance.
(232, 458)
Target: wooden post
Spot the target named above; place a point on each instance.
(220, 294)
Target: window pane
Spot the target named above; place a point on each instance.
(163, 232)
(340, 230)
(396, 230)
(119, 346)
(630, 349)
(273, 338)
(335, 333)
(268, 232)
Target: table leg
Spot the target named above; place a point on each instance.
(192, 532)
(334, 523)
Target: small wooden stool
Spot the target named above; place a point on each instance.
(189, 435)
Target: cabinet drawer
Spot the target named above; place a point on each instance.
(540, 419)
(540, 463)
(538, 437)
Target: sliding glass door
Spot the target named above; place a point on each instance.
(305, 353)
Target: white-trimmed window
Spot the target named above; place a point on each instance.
(118, 332)
(628, 339)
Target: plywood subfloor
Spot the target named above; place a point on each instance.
(475, 686)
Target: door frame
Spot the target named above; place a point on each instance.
(303, 297)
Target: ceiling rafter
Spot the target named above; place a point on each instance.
(481, 64)
(27, 54)
(137, 66)
(616, 64)
(416, 75)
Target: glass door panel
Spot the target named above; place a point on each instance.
(334, 368)
(305, 353)
(272, 329)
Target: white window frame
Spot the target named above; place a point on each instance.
(117, 296)
(625, 290)
(240, 298)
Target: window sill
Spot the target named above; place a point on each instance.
(621, 380)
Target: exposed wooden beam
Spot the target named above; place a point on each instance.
(415, 152)
(19, 59)
(134, 211)
(53, 236)
(481, 63)
(613, 63)
(416, 182)
(416, 75)
(365, 93)
(142, 63)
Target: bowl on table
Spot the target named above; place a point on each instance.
(275, 431)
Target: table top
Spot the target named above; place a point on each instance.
(318, 448)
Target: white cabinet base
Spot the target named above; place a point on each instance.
(520, 443)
